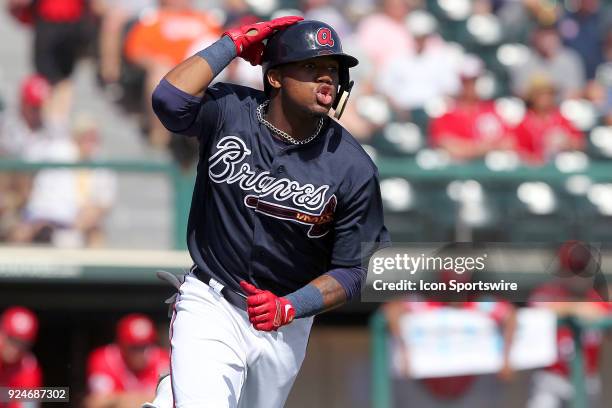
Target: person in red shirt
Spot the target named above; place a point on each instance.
(573, 294)
(161, 40)
(61, 34)
(472, 127)
(544, 131)
(125, 373)
(18, 366)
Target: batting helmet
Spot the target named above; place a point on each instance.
(20, 323)
(135, 329)
(308, 39)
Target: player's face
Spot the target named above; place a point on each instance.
(311, 84)
(32, 115)
(544, 99)
(13, 350)
(468, 90)
(136, 357)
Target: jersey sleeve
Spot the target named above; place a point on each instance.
(359, 229)
(183, 113)
(201, 117)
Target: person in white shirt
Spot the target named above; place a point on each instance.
(410, 81)
(33, 132)
(67, 207)
(383, 35)
(548, 56)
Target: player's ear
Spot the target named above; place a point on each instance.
(273, 76)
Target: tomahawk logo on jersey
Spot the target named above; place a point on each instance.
(227, 165)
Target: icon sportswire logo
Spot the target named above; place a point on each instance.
(227, 166)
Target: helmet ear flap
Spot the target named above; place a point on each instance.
(342, 100)
(343, 82)
(344, 90)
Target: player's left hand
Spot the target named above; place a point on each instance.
(249, 38)
(267, 311)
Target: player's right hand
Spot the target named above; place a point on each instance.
(267, 311)
(249, 38)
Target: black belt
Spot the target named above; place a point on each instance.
(234, 298)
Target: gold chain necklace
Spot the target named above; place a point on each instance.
(282, 134)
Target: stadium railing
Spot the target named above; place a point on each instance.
(407, 168)
(381, 392)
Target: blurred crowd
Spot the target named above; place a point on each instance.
(458, 80)
(454, 81)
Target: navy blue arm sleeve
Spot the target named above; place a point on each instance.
(308, 301)
(183, 113)
(350, 278)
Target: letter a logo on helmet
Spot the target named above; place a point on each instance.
(309, 39)
(324, 37)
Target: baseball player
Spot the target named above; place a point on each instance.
(125, 373)
(18, 366)
(285, 207)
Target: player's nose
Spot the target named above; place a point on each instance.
(324, 76)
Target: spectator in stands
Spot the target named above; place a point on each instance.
(384, 35)
(599, 90)
(573, 294)
(33, 133)
(325, 10)
(583, 29)
(19, 129)
(14, 192)
(471, 127)
(61, 31)
(67, 207)
(544, 131)
(236, 11)
(115, 16)
(18, 366)
(161, 40)
(464, 391)
(125, 373)
(549, 56)
(30, 133)
(518, 17)
(410, 81)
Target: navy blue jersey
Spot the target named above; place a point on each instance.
(277, 214)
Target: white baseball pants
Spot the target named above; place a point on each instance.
(219, 360)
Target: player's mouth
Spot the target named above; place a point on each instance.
(325, 95)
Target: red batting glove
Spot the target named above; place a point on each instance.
(248, 38)
(267, 311)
